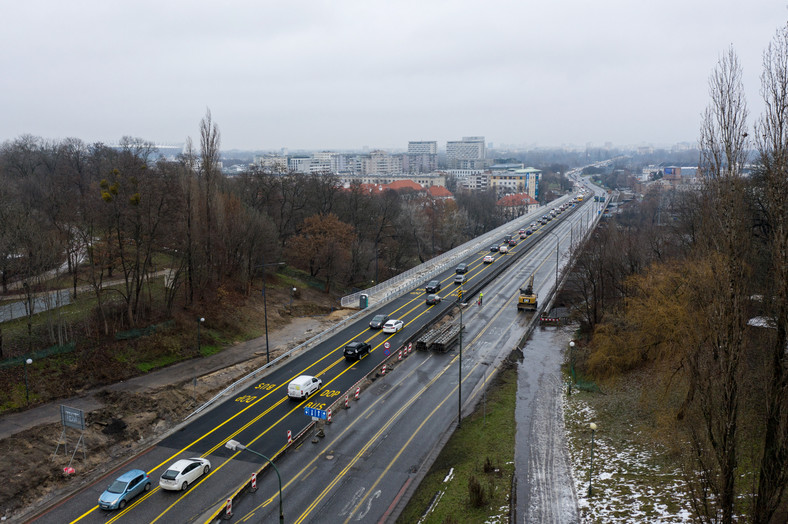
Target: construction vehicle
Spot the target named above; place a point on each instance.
(527, 300)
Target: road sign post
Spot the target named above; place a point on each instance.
(316, 413)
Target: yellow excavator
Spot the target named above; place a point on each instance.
(527, 300)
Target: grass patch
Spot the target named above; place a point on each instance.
(472, 477)
(158, 362)
(635, 477)
(207, 351)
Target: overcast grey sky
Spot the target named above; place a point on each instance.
(345, 74)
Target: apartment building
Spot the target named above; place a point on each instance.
(517, 181)
(468, 153)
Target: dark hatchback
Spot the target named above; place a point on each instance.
(356, 350)
(378, 321)
(433, 299)
(433, 287)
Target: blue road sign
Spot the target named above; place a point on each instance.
(317, 413)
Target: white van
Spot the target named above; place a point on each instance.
(303, 386)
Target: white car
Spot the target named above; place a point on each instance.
(503, 249)
(489, 259)
(393, 325)
(184, 472)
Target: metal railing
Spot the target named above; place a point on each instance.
(320, 337)
(380, 293)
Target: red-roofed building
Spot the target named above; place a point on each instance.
(439, 192)
(517, 205)
(399, 185)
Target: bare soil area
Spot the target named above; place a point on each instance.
(131, 419)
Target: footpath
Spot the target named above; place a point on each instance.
(299, 330)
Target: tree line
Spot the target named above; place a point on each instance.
(694, 287)
(91, 214)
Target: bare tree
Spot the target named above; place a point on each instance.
(725, 243)
(772, 142)
(210, 141)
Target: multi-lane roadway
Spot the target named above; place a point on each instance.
(368, 460)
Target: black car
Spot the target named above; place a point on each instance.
(462, 268)
(356, 350)
(433, 299)
(378, 321)
(494, 249)
(433, 287)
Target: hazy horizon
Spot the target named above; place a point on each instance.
(348, 74)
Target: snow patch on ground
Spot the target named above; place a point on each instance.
(449, 476)
(624, 478)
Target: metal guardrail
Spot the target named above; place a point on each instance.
(219, 511)
(394, 286)
(320, 337)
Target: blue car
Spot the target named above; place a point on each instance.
(125, 488)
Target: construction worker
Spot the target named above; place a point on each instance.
(481, 295)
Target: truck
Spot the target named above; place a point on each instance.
(527, 300)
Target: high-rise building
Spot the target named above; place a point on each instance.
(423, 148)
(468, 153)
(422, 157)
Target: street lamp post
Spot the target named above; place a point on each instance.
(459, 383)
(265, 308)
(199, 321)
(591, 469)
(557, 250)
(235, 445)
(571, 366)
(27, 391)
(292, 294)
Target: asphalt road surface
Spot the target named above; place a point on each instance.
(366, 463)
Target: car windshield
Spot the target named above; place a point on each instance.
(118, 486)
(378, 318)
(170, 474)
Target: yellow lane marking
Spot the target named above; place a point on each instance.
(367, 413)
(165, 461)
(406, 444)
(310, 472)
(366, 446)
(259, 416)
(351, 426)
(274, 424)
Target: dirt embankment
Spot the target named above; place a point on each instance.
(131, 419)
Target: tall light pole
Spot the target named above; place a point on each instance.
(199, 321)
(459, 383)
(591, 469)
(292, 294)
(557, 250)
(27, 391)
(571, 366)
(235, 445)
(265, 308)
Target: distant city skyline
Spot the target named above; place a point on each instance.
(345, 74)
